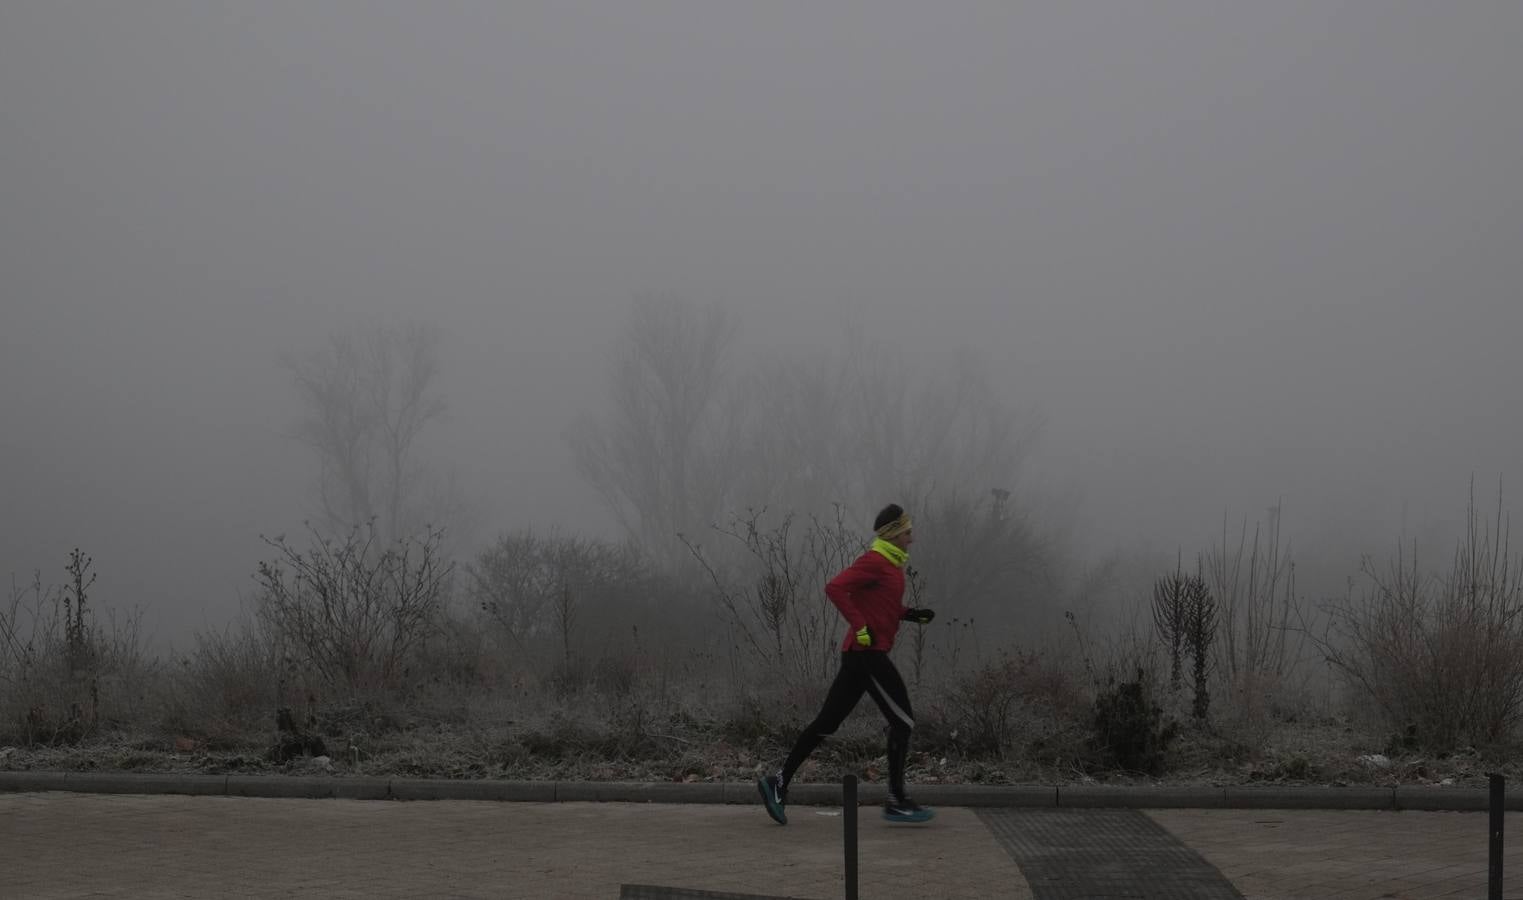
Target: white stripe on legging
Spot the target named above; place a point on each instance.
(889, 701)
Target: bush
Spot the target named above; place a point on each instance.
(223, 691)
(351, 611)
(1001, 709)
(1130, 732)
(63, 674)
(1440, 657)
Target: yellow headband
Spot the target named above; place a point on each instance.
(895, 528)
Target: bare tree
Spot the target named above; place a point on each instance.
(368, 399)
(985, 552)
(1200, 625)
(511, 583)
(772, 595)
(923, 434)
(1254, 584)
(78, 632)
(783, 419)
(866, 423)
(536, 589)
(1170, 616)
(915, 586)
(656, 460)
(692, 442)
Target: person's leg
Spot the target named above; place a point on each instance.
(845, 691)
(888, 690)
(850, 683)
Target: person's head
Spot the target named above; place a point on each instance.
(893, 525)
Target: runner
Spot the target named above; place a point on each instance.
(869, 593)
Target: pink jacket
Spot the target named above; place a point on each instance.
(869, 592)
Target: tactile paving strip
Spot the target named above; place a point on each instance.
(1103, 853)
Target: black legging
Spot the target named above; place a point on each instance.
(862, 672)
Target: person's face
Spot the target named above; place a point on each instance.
(903, 541)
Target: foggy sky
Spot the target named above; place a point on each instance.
(1233, 253)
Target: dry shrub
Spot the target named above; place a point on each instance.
(354, 610)
(65, 675)
(1440, 657)
(1021, 703)
(1251, 709)
(222, 692)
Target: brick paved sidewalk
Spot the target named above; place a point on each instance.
(59, 845)
(1351, 854)
(56, 845)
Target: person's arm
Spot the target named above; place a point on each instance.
(843, 588)
(920, 615)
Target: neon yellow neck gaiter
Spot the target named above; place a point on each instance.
(894, 554)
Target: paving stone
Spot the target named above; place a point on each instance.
(1347, 854)
(67, 844)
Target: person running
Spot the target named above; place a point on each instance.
(869, 594)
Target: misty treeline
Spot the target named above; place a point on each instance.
(739, 481)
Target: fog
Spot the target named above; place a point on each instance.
(1232, 255)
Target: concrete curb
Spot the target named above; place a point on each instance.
(1403, 797)
(1141, 797)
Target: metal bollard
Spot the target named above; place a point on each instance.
(1498, 807)
(849, 821)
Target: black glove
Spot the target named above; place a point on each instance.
(919, 616)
